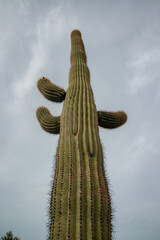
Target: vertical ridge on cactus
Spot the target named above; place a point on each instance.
(80, 205)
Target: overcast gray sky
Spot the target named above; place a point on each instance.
(122, 41)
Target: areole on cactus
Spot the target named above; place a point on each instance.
(80, 205)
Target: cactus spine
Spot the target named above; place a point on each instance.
(80, 206)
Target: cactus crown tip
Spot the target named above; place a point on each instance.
(75, 32)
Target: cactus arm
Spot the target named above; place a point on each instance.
(51, 91)
(48, 122)
(111, 119)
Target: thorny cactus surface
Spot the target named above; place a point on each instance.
(80, 206)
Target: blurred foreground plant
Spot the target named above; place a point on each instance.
(9, 236)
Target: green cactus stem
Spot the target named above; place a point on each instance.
(111, 119)
(50, 90)
(47, 121)
(80, 206)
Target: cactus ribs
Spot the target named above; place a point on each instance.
(80, 205)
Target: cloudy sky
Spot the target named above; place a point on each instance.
(122, 41)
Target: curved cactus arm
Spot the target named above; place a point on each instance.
(48, 122)
(111, 119)
(50, 90)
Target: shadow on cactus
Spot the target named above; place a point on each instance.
(80, 205)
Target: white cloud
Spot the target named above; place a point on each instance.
(143, 67)
(38, 51)
(38, 59)
(48, 30)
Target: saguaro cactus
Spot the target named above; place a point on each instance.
(80, 206)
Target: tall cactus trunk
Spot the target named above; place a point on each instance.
(80, 207)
